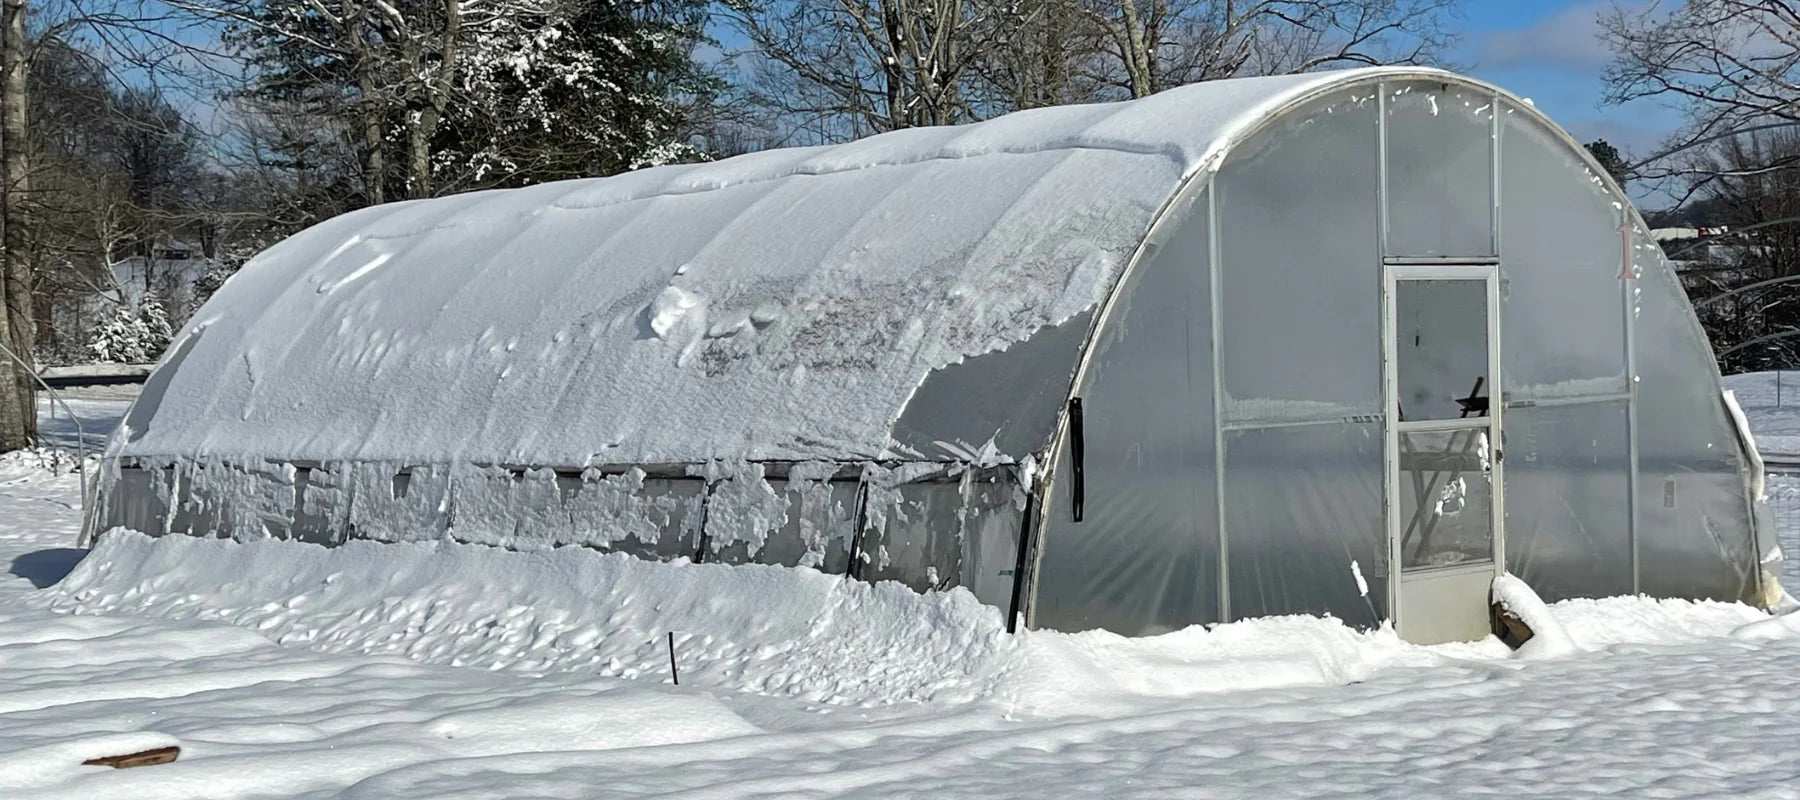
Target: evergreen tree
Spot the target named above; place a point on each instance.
(133, 335)
(438, 97)
(1609, 158)
(591, 87)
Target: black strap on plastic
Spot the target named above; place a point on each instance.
(1024, 557)
(861, 520)
(1077, 452)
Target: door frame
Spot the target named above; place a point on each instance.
(1391, 426)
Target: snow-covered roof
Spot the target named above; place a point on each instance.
(779, 305)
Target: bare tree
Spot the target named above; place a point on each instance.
(1163, 43)
(863, 66)
(1744, 286)
(851, 67)
(1733, 66)
(18, 406)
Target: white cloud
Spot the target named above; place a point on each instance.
(1568, 38)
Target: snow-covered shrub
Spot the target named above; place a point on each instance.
(132, 336)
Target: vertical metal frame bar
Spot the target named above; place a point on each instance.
(1628, 290)
(1497, 389)
(1494, 144)
(1390, 468)
(858, 521)
(1381, 168)
(1213, 268)
(1390, 446)
(1496, 428)
(1015, 609)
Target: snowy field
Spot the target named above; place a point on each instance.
(449, 671)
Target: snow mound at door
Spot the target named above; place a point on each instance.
(764, 630)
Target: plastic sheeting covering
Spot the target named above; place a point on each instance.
(1300, 281)
(1302, 483)
(943, 535)
(1440, 348)
(781, 305)
(1568, 507)
(852, 358)
(1695, 537)
(924, 525)
(1144, 557)
(1440, 170)
(1303, 509)
(1304, 524)
(1562, 313)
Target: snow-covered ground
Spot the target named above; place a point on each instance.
(97, 411)
(450, 671)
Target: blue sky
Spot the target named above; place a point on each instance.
(1548, 50)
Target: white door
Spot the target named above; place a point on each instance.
(1441, 373)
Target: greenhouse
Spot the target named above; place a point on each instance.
(1347, 343)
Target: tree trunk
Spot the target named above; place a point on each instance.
(1140, 50)
(1055, 59)
(18, 413)
(424, 117)
(374, 164)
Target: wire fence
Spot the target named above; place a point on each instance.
(1783, 491)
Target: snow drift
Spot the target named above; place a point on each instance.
(763, 630)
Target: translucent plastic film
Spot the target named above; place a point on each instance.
(1695, 537)
(1144, 556)
(941, 535)
(1441, 349)
(1301, 273)
(1568, 524)
(1561, 298)
(1303, 511)
(1440, 170)
(1446, 498)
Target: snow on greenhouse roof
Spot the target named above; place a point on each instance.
(778, 305)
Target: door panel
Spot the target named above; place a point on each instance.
(1443, 467)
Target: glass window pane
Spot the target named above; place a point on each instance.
(1440, 186)
(1441, 349)
(1446, 498)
